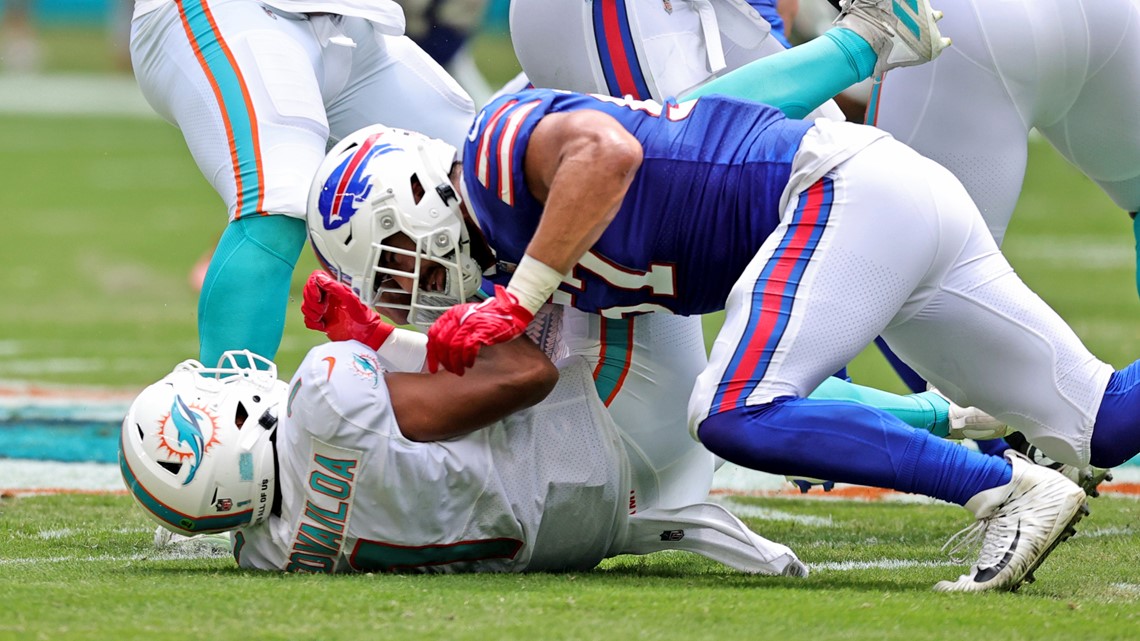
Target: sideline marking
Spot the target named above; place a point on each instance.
(73, 94)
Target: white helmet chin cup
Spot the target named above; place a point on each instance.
(376, 190)
(196, 449)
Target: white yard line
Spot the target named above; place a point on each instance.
(73, 95)
(878, 564)
(746, 510)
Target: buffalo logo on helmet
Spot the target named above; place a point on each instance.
(348, 186)
(187, 433)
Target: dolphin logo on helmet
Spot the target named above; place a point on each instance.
(189, 429)
(214, 447)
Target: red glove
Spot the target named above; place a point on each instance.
(331, 307)
(456, 337)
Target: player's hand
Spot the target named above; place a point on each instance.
(331, 307)
(456, 337)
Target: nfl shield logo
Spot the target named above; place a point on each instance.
(668, 6)
(224, 505)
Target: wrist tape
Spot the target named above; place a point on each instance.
(533, 282)
(403, 351)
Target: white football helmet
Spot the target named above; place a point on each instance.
(379, 182)
(197, 447)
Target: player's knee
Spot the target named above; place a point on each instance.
(1116, 432)
(280, 236)
(751, 433)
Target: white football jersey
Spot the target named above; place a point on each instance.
(546, 488)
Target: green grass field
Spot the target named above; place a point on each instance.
(104, 218)
(83, 568)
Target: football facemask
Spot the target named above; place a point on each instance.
(384, 190)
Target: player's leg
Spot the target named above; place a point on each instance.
(820, 289)
(647, 49)
(959, 110)
(644, 368)
(870, 39)
(929, 411)
(392, 81)
(238, 80)
(1099, 128)
(998, 346)
(824, 285)
(642, 48)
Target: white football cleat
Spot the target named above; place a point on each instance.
(903, 32)
(1019, 523)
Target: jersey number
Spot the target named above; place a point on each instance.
(672, 110)
(660, 280)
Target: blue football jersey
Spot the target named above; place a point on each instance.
(705, 198)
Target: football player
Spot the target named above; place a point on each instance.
(621, 207)
(1064, 67)
(259, 89)
(653, 49)
(1067, 68)
(355, 467)
(646, 48)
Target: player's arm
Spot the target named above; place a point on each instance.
(505, 378)
(580, 164)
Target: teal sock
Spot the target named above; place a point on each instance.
(926, 411)
(1136, 234)
(802, 78)
(246, 291)
(858, 51)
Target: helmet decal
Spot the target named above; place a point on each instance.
(348, 186)
(376, 189)
(184, 454)
(189, 439)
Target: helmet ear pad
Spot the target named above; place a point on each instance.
(197, 448)
(378, 189)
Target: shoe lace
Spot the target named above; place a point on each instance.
(868, 12)
(964, 542)
(984, 537)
